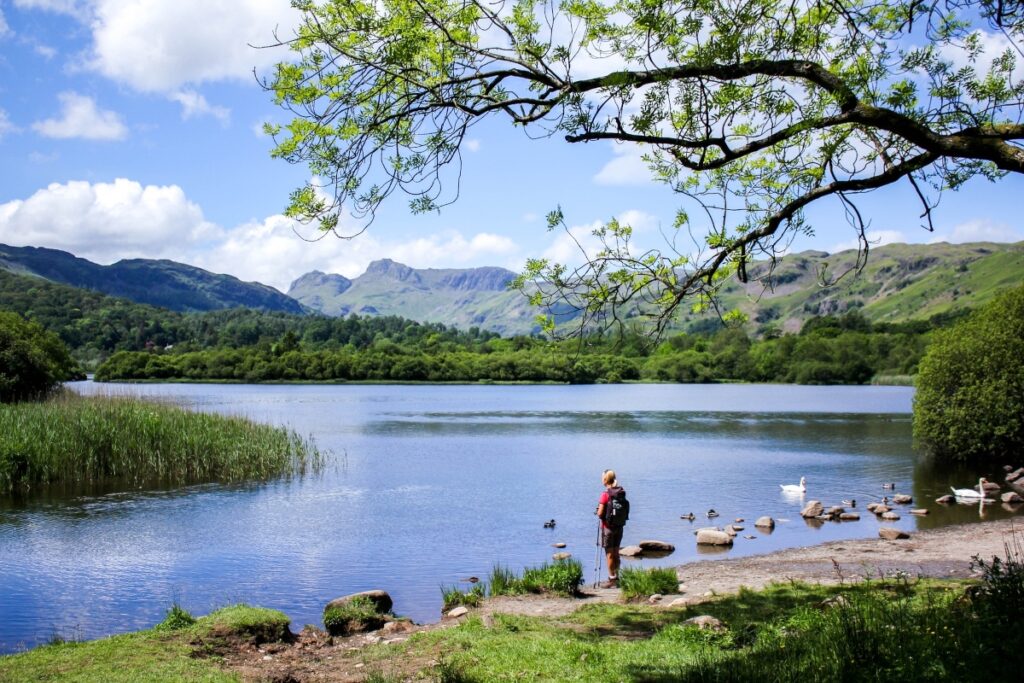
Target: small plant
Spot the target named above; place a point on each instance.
(636, 583)
(357, 615)
(453, 596)
(503, 581)
(563, 577)
(177, 618)
(1000, 596)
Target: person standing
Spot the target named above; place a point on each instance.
(613, 511)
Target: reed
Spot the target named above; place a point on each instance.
(102, 441)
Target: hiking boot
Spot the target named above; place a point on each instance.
(610, 583)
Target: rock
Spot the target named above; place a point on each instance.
(656, 547)
(871, 506)
(881, 509)
(947, 499)
(902, 499)
(836, 510)
(920, 512)
(991, 486)
(459, 611)
(737, 527)
(748, 536)
(678, 602)
(890, 534)
(381, 600)
(712, 537)
(849, 517)
(1007, 468)
(1015, 475)
(1011, 497)
(834, 601)
(738, 520)
(654, 599)
(765, 522)
(558, 545)
(561, 556)
(400, 626)
(890, 516)
(812, 509)
(631, 551)
(705, 622)
(729, 530)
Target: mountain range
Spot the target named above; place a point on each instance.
(900, 282)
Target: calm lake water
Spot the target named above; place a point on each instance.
(429, 485)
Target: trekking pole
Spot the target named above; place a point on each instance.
(597, 557)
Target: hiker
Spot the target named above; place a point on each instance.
(613, 511)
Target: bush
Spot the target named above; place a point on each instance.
(32, 361)
(635, 583)
(970, 387)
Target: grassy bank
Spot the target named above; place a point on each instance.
(88, 441)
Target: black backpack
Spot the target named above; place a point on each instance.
(616, 512)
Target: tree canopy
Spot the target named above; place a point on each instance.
(750, 110)
(970, 388)
(32, 360)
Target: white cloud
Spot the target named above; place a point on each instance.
(993, 45)
(571, 246)
(4, 28)
(979, 230)
(193, 104)
(107, 221)
(44, 51)
(80, 118)
(471, 145)
(75, 8)
(159, 46)
(876, 238)
(626, 167)
(5, 124)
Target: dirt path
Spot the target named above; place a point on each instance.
(937, 553)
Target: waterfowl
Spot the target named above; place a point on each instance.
(550, 524)
(971, 493)
(890, 486)
(852, 503)
(712, 513)
(689, 517)
(795, 488)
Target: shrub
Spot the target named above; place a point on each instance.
(970, 388)
(453, 596)
(635, 583)
(32, 361)
(357, 615)
(177, 618)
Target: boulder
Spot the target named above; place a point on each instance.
(558, 545)
(1011, 497)
(836, 510)
(561, 556)
(655, 599)
(813, 509)
(631, 551)
(713, 537)
(1015, 475)
(991, 487)
(705, 622)
(765, 522)
(849, 517)
(947, 499)
(1007, 468)
(656, 547)
(920, 512)
(902, 499)
(890, 534)
(738, 520)
(459, 611)
(871, 506)
(729, 530)
(678, 602)
(881, 509)
(381, 600)
(890, 516)
(737, 527)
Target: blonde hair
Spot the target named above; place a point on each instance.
(609, 478)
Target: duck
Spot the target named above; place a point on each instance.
(978, 493)
(689, 517)
(852, 503)
(795, 488)
(712, 513)
(550, 524)
(891, 486)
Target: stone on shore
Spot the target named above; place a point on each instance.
(902, 499)
(765, 522)
(1011, 497)
(459, 611)
(713, 537)
(381, 600)
(890, 534)
(814, 508)
(947, 499)
(631, 551)
(656, 547)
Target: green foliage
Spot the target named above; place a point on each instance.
(177, 618)
(563, 577)
(357, 615)
(32, 360)
(453, 596)
(640, 582)
(999, 599)
(970, 391)
(129, 442)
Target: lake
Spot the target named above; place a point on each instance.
(429, 485)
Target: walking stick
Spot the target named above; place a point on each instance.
(597, 557)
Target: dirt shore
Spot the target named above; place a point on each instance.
(938, 553)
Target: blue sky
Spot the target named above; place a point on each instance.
(132, 128)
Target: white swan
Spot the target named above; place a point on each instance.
(974, 494)
(795, 488)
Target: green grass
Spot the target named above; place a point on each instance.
(357, 615)
(562, 577)
(127, 441)
(453, 596)
(188, 653)
(638, 583)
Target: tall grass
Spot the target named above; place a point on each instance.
(102, 440)
(638, 582)
(562, 576)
